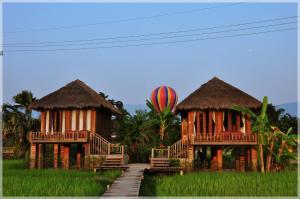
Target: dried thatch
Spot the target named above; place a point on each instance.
(74, 95)
(217, 94)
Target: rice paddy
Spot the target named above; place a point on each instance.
(18, 181)
(221, 184)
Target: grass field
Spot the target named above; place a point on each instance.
(18, 181)
(221, 184)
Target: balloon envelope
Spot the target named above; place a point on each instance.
(162, 97)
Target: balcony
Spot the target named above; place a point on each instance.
(59, 137)
(225, 138)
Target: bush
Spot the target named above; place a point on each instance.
(174, 163)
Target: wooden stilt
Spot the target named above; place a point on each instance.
(40, 156)
(32, 156)
(237, 159)
(219, 159)
(86, 155)
(62, 156)
(242, 160)
(55, 158)
(66, 157)
(254, 158)
(78, 157)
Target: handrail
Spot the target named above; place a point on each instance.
(58, 136)
(179, 149)
(226, 137)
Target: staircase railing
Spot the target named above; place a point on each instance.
(100, 146)
(177, 150)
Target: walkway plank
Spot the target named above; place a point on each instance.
(128, 184)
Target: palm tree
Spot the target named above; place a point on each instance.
(18, 122)
(162, 122)
(260, 126)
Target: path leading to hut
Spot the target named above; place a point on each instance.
(128, 184)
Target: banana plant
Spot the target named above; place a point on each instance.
(261, 126)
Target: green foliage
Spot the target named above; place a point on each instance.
(221, 184)
(18, 122)
(142, 131)
(18, 181)
(174, 163)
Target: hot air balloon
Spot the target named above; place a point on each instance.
(162, 97)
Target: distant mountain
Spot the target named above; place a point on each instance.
(290, 108)
(131, 108)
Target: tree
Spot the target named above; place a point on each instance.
(18, 121)
(261, 126)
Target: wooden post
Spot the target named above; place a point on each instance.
(108, 150)
(248, 123)
(93, 120)
(191, 127)
(210, 122)
(204, 122)
(66, 157)
(78, 157)
(43, 121)
(219, 129)
(86, 155)
(237, 159)
(248, 155)
(238, 122)
(62, 152)
(242, 160)
(40, 156)
(55, 153)
(152, 153)
(254, 158)
(198, 124)
(168, 151)
(32, 156)
(229, 121)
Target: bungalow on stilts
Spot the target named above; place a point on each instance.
(209, 126)
(75, 116)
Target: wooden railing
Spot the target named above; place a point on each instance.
(177, 150)
(100, 146)
(58, 137)
(235, 138)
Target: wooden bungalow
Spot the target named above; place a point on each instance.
(208, 126)
(74, 115)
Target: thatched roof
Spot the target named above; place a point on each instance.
(217, 94)
(74, 95)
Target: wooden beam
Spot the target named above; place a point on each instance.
(66, 157)
(254, 158)
(43, 120)
(204, 122)
(219, 122)
(55, 153)
(77, 119)
(78, 156)
(198, 124)
(60, 120)
(229, 121)
(238, 122)
(242, 160)
(219, 159)
(32, 156)
(210, 128)
(248, 123)
(62, 153)
(84, 120)
(93, 120)
(40, 156)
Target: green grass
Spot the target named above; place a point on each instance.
(221, 184)
(18, 181)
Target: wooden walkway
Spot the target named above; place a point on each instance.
(128, 184)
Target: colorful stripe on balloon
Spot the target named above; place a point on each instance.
(162, 97)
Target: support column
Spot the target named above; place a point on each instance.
(66, 157)
(32, 156)
(219, 159)
(86, 155)
(254, 158)
(214, 161)
(62, 152)
(219, 129)
(237, 159)
(248, 155)
(55, 158)
(242, 160)
(40, 156)
(191, 127)
(78, 156)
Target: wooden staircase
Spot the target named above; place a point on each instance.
(113, 154)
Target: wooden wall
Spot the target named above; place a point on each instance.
(62, 120)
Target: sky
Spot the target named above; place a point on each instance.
(259, 64)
